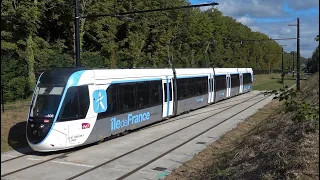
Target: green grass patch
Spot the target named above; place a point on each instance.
(262, 78)
(274, 84)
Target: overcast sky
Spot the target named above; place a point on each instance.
(272, 17)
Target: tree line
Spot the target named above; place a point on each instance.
(39, 35)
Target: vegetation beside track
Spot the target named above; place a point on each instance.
(275, 143)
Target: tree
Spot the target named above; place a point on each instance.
(313, 63)
(36, 36)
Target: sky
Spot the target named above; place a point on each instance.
(272, 18)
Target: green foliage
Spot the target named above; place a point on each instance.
(92, 59)
(313, 62)
(14, 78)
(303, 111)
(40, 36)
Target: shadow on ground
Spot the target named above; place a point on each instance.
(17, 138)
(18, 142)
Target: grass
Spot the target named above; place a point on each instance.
(13, 121)
(274, 84)
(263, 78)
(271, 82)
(267, 145)
(197, 167)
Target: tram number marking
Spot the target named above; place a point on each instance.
(75, 137)
(49, 116)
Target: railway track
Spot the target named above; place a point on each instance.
(11, 159)
(152, 125)
(185, 142)
(156, 158)
(59, 156)
(190, 115)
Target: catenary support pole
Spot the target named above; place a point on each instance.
(298, 55)
(282, 73)
(77, 32)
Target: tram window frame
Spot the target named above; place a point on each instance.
(201, 85)
(210, 84)
(165, 92)
(82, 101)
(154, 97)
(156, 93)
(192, 87)
(247, 78)
(182, 90)
(113, 107)
(126, 104)
(235, 80)
(143, 94)
(220, 82)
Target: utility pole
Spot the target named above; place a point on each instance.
(282, 66)
(2, 99)
(77, 32)
(298, 55)
(282, 73)
(168, 48)
(293, 65)
(298, 52)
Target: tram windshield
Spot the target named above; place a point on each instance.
(46, 101)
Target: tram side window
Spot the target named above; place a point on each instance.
(143, 94)
(202, 85)
(76, 103)
(210, 85)
(198, 86)
(84, 100)
(191, 87)
(165, 92)
(247, 78)
(112, 93)
(220, 83)
(156, 93)
(182, 90)
(235, 81)
(127, 97)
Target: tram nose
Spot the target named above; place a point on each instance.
(37, 129)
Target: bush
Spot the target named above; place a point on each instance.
(303, 110)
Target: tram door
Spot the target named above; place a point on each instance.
(228, 85)
(167, 90)
(211, 90)
(241, 83)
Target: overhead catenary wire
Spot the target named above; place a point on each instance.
(147, 11)
(77, 19)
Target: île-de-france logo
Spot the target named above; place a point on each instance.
(99, 101)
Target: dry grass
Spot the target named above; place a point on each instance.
(13, 122)
(200, 165)
(268, 145)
